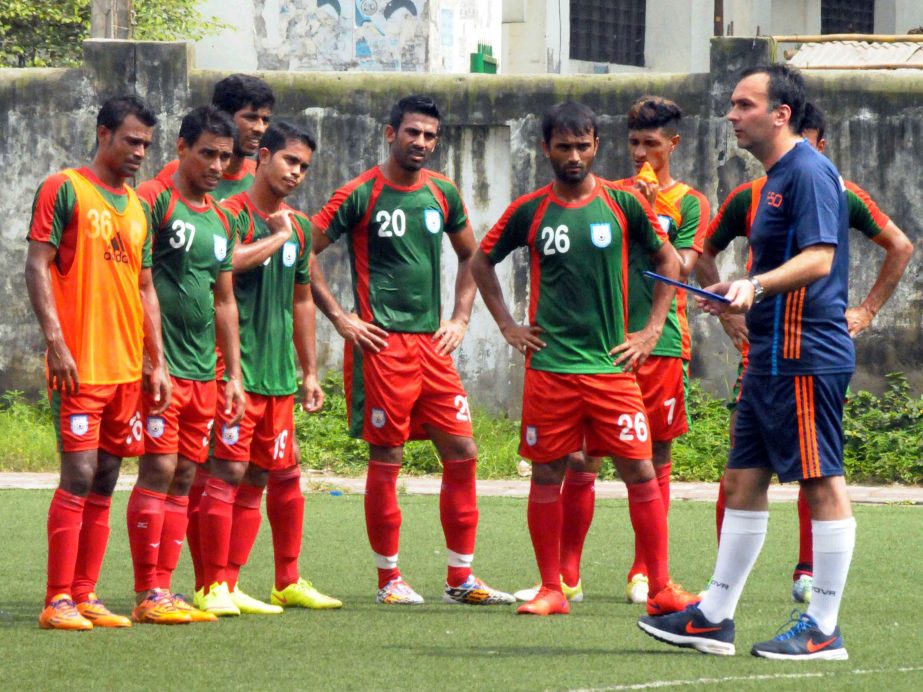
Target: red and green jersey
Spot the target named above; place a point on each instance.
(736, 214)
(192, 244)
(578, 270)
(265, 300)
(394, 236)
(683, 214)
(230, 183)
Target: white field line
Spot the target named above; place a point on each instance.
(656, 684)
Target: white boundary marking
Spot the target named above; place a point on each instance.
(655, 684)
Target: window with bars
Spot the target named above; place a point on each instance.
(847, 16)
(606, 31)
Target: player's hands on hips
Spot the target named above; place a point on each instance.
(858, 320)
(62, 369)
(310, 394)
(523, 338)
(647, 190)
(449, 336)
(366, 335)
(280, 221)
(235, 401)
(635, 349)
(735, 326)
(156, 380)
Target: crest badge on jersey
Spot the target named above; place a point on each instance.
(433, 219)
(221, 247)
(531, 435)
(665, 222)
(80, 423)
(289, 253)
(155, 426)
(378, 417)
(230, 434)
(601, 234)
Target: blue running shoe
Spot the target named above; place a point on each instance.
(690, 629)
(803, 642)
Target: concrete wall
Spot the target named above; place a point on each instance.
(490, 147)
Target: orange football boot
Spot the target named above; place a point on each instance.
(546, 602)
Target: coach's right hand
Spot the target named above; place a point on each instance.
(62, 369)
(366, 335)
(523, 338)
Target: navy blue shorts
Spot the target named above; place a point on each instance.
(792, 425)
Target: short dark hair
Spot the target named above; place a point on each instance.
(653, 112)
(280, 132)
(569, 116)
(114, 111)
(786, 88)
(813, 119)
(415, 103)
(238, 91)
(206, 119)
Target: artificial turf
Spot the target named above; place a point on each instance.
(367, 646)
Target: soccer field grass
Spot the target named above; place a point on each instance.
(365, 646)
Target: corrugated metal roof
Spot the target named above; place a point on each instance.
(853, 53)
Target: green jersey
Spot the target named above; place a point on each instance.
(265, 300)
(192, 245)
(394, 235)
(578, 270)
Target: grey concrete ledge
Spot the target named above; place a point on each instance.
(429, 485)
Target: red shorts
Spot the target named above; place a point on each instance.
(564, 413)
(185, 427)
(393, 394)
(264, 436)
(663, 387)
(101, 416)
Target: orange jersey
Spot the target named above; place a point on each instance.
(96, 291)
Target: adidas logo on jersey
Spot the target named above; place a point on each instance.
(115, 252)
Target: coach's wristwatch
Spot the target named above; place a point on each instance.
(757, 289)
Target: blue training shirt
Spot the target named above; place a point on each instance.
(803, 332)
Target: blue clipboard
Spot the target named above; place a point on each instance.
(686, 287)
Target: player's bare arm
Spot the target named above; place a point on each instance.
(227, 331)
(62, 369)
(898, 249)
(250, 255)
(349, 325)
(523, 338)
(706, 274)
(304, 316)
(452, 331)
(638, 345)
(809, 265)
(156, 380)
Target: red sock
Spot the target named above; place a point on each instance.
(578, 500)
(285, 509)
(94, 535)
(649, 522)
(175, 520)
(458, 510)
(192, 529)
(216, 516)
(246, 527)
(545, 519)
(145, 528)
(663, 482)
(805, 539)
(64, 518)
(719, 508)
(383, 518)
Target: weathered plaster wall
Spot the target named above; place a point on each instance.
(490, 147)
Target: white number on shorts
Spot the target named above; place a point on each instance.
(206, 439)
(137, 427)
(100, 224)
(279, 451)
(556, 240)
(461, 403)
(391, 223)
(670, 405)
(631, 428)
(180, 227)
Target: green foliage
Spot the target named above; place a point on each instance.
(50, 33)
(26, 434)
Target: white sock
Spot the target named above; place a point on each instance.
(742, 536)
(833, 546)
